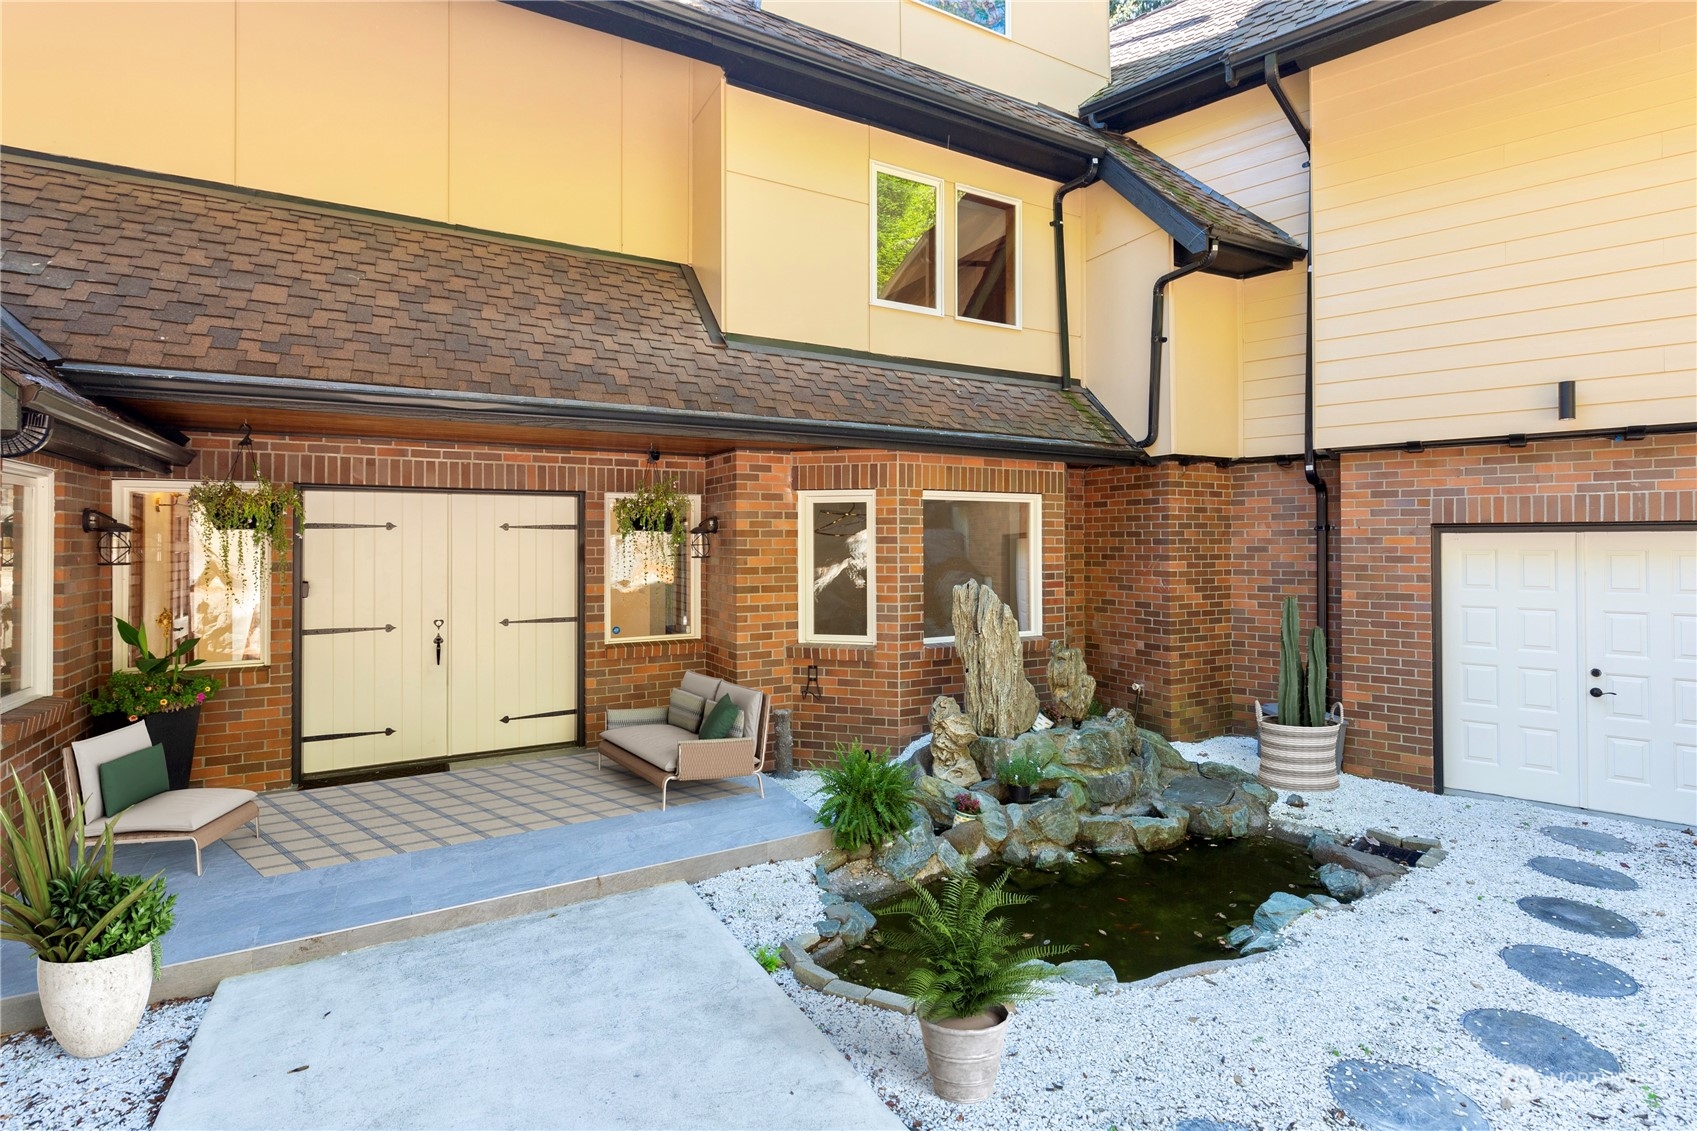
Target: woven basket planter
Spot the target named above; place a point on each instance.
(1300, 759)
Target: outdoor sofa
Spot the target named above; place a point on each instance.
(661, 744)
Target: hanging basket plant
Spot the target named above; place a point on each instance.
(239, 522)
(653, 528)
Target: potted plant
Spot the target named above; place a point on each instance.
(967, 807)
(1301, 745)
(868, 798)
(161, 690)
(95, 935)
(240, 522)
(653, 526)
(969, 968)
(1020, 774)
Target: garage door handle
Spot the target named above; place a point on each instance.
(1598, 693)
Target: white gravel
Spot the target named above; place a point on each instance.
(1387, 980)
(41, 1086)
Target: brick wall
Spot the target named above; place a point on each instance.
(1390, 503)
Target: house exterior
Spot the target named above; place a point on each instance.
(874, 285)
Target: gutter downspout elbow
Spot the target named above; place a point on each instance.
(1083, 180)
(1158, 335)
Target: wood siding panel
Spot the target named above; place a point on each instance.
(1506, 202)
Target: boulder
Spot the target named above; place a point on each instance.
(952, 736)
(1327, 851)
(993, 821)
(1325, 903)
(1156, 833)
(1070, 683)
(850, 921)
(1050, 858)
(1111, 788)
(862, 881)
(1259, 792)
(1095, 746)
(1342, 883)
(1015, 852)
(1053, 819)
(1087, 972)
(1075, 794)
(1259, 942)
(1109, 835)
(999, 699)
(907, 853)
(1241, 935)
(1280, 910)
(948, 857)
(965, 838)
(937, 798)
(1220, 771)
(1158, 749)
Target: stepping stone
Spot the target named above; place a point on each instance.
(1525, 1038)
(1587, 839)
(1579, 872)
(1209, 1125)
(1581, 918)
(1569, 973)
(1395, 1097)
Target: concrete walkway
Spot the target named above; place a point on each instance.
(637, 1010)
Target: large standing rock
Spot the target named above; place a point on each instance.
(999, 699)
(1070, 683)
(952, 737)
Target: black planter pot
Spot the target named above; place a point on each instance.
(1019, 794)
(175, 731)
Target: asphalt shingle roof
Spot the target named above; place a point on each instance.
(120, 270)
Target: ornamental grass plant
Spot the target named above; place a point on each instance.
(867, 798)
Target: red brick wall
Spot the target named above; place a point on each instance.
(1390, 503)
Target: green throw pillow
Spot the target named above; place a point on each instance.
(132, 778)
(720, 719)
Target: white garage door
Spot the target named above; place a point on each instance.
(437, 625)
(1569, 668)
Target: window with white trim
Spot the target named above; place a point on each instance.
(994, 539)
(176, 584)
(991, 15)
(837, 567)
(26, 583)
(986, 257)
(653, 582)
(907, 240)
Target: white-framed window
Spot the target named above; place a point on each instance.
(26, 583)
(176, 586)
(991, 15)
(995, 539)
(653, 588)
(987, 257)
(838, 567)
(907, 240)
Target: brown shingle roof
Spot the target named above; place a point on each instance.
(121, 270)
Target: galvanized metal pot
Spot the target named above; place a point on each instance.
(965, 1054)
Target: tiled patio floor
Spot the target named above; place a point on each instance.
(314, 828)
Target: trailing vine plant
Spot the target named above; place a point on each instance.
(657, 514)
(229, 511)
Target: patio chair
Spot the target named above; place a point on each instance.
(660, 744)
(203, 816)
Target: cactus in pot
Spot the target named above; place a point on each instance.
(1303, 747)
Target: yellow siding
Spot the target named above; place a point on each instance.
(707, 180)
(1124, 253)
(1506, 201)
(1055, 52)
(1204, 391)
(798, 240)
(1243, 147)
(471, 112)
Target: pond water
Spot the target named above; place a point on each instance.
(1140, 914)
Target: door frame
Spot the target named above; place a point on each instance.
(402, 769)
(1435, 609)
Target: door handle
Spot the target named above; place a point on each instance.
(438, 643)
(1598, 693)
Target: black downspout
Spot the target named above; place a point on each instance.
(1086, 178)
(1158, 335)
(1310, 462)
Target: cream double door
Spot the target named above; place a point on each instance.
(1570, 668)
(437, 625)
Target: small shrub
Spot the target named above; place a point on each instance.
(771, 959)
(866, 798)
(968, 803)
(1021, 770)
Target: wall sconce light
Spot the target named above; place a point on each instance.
(811, 687)
(699, 548)
(1567, 401)
(113, 544)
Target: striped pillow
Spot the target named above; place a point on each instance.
(685, 710)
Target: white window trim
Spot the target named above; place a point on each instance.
(122, 489)
(1018, 256)
(36, 606)
(804, 564)
(1034, 551)
(691, 563)
(942, 256)
(1007, 19)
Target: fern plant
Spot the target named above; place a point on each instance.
(968, 960)
(867, 798)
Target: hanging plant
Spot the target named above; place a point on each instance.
(653, 527)
(239, 522)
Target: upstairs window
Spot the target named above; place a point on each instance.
(907, 238)
(986, 250)
(989, 14)
(836, 562)
(995, 540)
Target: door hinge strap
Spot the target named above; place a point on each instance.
(539, 526)
(540, 620)
(334, 631)
(348, 526)
(385, 732)
(538, 715)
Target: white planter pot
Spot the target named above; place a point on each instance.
(1299, 759)
(964, 1054)
(92, 1008)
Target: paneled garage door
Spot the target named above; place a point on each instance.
(437, 625)
(1569, 665)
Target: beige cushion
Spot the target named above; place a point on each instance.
(685, 710)
(92, 753)
(748, 702)
(175, 811)
(705, 686)
(654, 743)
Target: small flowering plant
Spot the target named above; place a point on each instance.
(158, 683)
(968, 805)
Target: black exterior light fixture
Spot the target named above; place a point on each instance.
(113, 544)
(810, 689)
(1567, 401)
(699, 547)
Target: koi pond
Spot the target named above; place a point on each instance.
(1142, 914)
